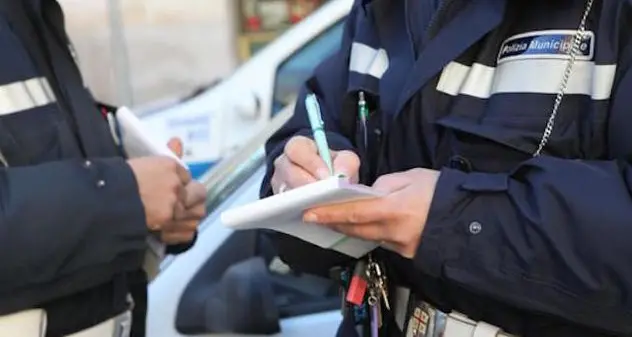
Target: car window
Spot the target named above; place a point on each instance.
(297, 68)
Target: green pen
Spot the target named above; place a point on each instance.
(363, 112)
(318, 130)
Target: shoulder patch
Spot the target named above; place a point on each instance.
(546, 44)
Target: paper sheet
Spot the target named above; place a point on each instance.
(137, 142)
(284, 213)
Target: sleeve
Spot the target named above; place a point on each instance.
(61, 218)
(181, 248)
(329, 83)
(554, 236)
(169, 249)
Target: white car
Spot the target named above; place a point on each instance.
(215, 123)
(232, 283)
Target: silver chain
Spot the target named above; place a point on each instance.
(577, 39)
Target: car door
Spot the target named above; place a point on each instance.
(209, 290)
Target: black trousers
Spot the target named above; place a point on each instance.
(138, 290)
(91, 307)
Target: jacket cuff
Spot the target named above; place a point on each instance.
(181, 248)
(443, 237)
(455, 216)
(122, 205)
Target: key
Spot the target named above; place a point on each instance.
(358, 285)
(373, 298)
(378, 281)
(381, 284)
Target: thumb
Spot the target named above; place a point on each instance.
(347, 163)
(390, 183)
(175, 145)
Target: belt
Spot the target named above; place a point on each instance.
(450, 325)
(32, 323)
(424, 320)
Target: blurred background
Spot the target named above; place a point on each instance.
(138, 51)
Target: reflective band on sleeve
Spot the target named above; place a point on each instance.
(25, 95)
(368, 61)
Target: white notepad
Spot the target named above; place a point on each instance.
(137, 141)
(284, 213)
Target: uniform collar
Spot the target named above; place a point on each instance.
(456, 35)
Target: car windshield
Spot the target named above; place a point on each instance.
(295, 70)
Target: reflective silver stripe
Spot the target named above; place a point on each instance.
(25, 95)
(368, 61)
(540, 76)
(3, 160)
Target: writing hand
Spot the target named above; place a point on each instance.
(300, 165)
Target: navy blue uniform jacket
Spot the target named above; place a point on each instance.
(540, 246)
(72, 225)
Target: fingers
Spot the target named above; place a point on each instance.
(289, 174)
(176, 146)
(184, 225)
(186, 222)
(300, 164)
(373, 231)
(358, 212)
(301, 151)
(177, 237)
(193, 206)
(347, 163)
(181, 194)
(195, 194)
(195, 213)
(390, 183)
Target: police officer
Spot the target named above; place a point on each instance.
(74, 214)
(499, 132)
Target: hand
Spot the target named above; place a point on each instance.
(300, 165)
(396, 220)
(161, 185)
(176, 146)
(188, 215)
(187, 218)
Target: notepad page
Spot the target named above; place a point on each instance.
(318, 235)
(284, 213)
(354, 247)
(290, 205)
(136, 141)
(326, 238)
